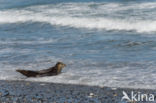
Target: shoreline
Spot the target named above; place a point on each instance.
(40, 92)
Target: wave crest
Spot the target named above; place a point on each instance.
(78, 18)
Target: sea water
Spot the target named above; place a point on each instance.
(103, 43)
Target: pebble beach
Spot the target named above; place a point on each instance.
(40, 92)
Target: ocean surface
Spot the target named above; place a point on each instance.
(103, 42)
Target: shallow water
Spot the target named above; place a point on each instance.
(105, 43)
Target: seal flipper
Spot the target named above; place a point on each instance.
(28, 73)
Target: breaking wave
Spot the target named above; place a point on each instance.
(107, 16)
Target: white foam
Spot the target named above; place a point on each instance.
(79, 73)
(33, 42)
(122, 77)
(74, 16)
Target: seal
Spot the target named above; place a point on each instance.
(46, 72)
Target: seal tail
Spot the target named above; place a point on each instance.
(28, 73)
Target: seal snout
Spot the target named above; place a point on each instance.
(64, 65)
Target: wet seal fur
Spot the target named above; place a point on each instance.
(46, 72)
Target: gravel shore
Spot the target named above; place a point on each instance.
(38, 92)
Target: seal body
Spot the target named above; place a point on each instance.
(46, 72)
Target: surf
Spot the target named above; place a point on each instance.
(70, 14)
